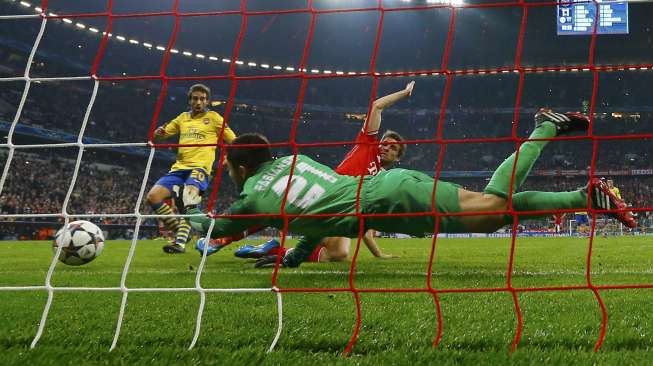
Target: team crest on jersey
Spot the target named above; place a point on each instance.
(206, 120)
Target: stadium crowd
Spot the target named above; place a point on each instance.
(103, 188)
(38, 184)
(123, 112)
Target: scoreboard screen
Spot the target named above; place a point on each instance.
(578, 17)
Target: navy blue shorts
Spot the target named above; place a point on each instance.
(193, 177)
(581, 219)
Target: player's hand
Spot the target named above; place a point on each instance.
(160, 131)
(387, 256)
(267, 262)
(409, 88)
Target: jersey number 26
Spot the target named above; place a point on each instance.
(296, 187)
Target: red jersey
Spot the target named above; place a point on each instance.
(558, 218)
(364, 158)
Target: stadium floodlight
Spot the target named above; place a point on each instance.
(351, 73)
(327, 71)
(148, 45)
(38, 9)
(226, 60)
(265, 66)
(94, 30)
(456, 3)
(160, 48)
(174, 50)
(186, 53)
(213, 58)
(66, 20)
(26, 4)
(252, 64)
(199, 55)
(339, 73)
(290, 68)
(121, 38)
(80, 25)
(238, 62)
(315, 71)
(133, 41)
(277, 67)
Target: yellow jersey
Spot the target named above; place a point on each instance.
(616, 192)
(202, 129)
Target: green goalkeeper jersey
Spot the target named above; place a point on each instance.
(317, 190)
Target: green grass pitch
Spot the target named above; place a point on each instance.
(560, 327)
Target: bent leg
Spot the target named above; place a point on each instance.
(155, 198)
(528, 153)
(336, 249)
(183, 226)
(482, 202)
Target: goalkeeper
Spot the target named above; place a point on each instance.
(193, 166)
(318, 190)
(368, 157)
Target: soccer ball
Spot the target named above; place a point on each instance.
(81, 242)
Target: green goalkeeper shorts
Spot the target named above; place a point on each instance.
(398, 191)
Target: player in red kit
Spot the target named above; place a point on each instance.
(557, 222)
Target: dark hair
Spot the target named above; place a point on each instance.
(249, 157)
(201, 88)
(395, 136)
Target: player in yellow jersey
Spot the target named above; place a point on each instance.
(611, 225)
(613, 189)
(193, 166)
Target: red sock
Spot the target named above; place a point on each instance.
(315, 256)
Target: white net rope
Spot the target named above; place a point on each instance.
(81, 146)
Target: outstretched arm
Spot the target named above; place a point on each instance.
(222, 227)
(373, 122)
(370, 242)
(163, 132)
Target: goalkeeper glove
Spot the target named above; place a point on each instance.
(270, 260)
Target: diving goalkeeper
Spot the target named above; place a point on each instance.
(318, 190)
